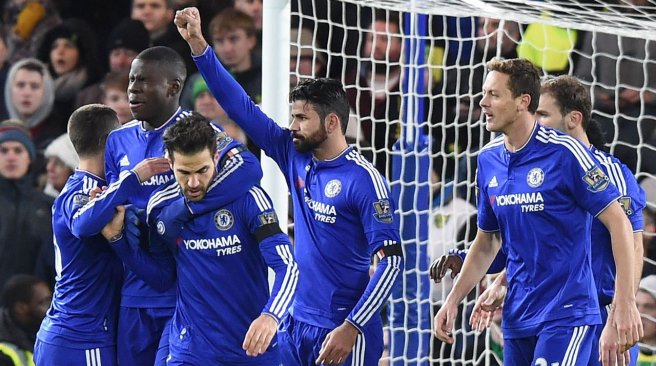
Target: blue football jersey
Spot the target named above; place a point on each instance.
(89, 274)
(343, 214)
(542, 199)
(126, 147)
(633, 202)
(222, 256)
(129, 145)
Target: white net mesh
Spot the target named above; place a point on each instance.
(611, 45)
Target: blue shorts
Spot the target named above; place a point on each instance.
(46, 354)
(566, 346)
(594, 356)
(300, 343)
(139, 334)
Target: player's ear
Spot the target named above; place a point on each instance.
(216, 157)
(524, 102)
(332, 122)
(175, 87)
(574, 119)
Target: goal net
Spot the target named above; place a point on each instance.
(413, 71)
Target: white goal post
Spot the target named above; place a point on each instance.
(432, 90)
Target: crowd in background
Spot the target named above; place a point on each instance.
(57, 55)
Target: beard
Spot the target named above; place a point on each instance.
(305, 144)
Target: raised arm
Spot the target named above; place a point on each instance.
(266, 133)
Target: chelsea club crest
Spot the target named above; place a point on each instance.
(333, 188)
(535, 177)
(223, 220)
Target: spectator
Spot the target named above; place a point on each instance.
(376, 95)
(62, 160)
(25, 300)
(26, 23)
(114, 94)
(622, 84)
(4, 70)
(25, 218)
(253, 8)
(157, 17)
(69, 49)
(29, 97)
(126, 40)
(304, 59)
(646, 301)
(233, 38)
(208, 107)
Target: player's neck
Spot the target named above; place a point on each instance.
(330, 149)
(518, 134)
(94, 165)
(580, 135)
(159, 121)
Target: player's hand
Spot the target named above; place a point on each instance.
(487, 303)
(187, 21)
(609, 351)
(443, 321)
(259, 335)
(338, 344)
(624, 316)
(440, 266)
(95, 191)
(150, 167)
(115, 226)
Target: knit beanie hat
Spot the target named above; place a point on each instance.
(198, 87)
(62, 148)
(12, 130)
(130, 34)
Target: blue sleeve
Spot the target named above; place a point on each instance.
(376, 209)
(377, 291)
(111, 166)
(90, 219)
(265, 133)
(155, 265)
(238, 171)
(633, 201)
(590, 186)
(276, 251)
(498, 264)
(487, 220)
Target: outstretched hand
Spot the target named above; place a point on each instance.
(187, 21)
(440, 266)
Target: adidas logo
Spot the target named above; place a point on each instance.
(493, 182)
(124, 161)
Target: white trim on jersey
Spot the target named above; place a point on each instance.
(112, 187)
(93, 357)
(170, 192)
(232, 164)
(380, 293)
(263, 203)
(614, 171)
(376, 178)
(495, 142)
(288, 287)
(575, 147)
(572, 353)
(359, 350)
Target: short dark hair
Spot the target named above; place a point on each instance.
(89, 126)
(570, 95)
(524, 78)
(168, 61)
(326, 96)
(33, 65)
(19, 289)
(190, 134)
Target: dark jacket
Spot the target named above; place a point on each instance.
(25, 231)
